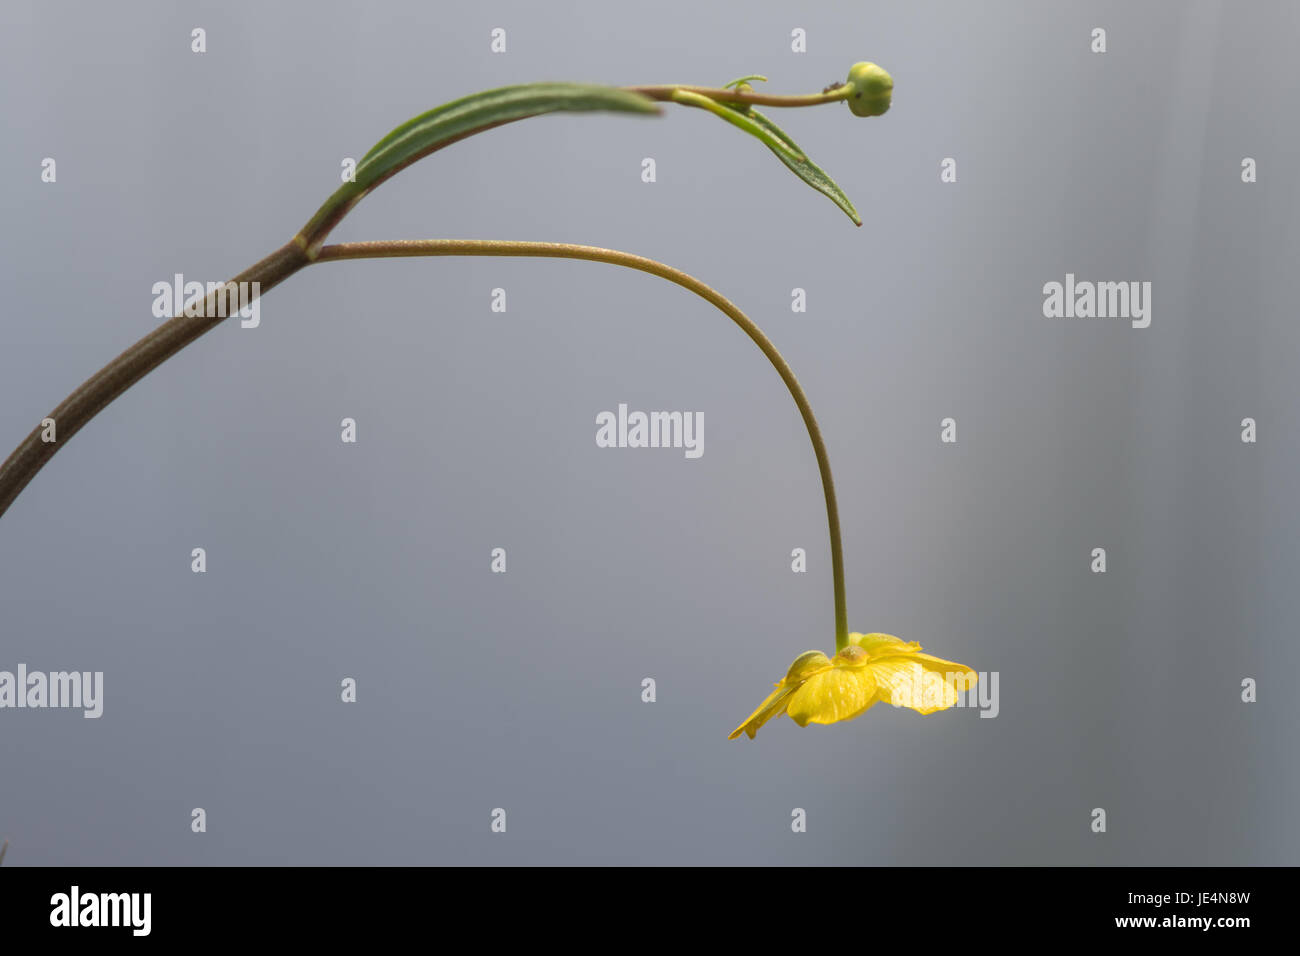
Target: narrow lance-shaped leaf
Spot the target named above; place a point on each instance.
(455, 119)
(736, 118)
(786, 149)
(805, 168)
(452, 121)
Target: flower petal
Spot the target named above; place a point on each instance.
(921, 682)
(804, 666)
(840, 693)
(773, 706)
(880, 645)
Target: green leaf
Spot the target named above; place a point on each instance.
(453, 121)
(803, 167)
(426, 132)
(779, 142)
(735, 117)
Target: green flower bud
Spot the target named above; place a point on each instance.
(872, 90)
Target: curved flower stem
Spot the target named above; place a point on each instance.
(169, 338)
(559, 250)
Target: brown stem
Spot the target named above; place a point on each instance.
(128, 368)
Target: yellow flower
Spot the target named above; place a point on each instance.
(822, 690)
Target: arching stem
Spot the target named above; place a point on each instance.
(169, 338)
(559, 250)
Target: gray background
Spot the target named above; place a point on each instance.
(522, 690)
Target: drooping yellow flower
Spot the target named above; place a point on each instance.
(823, 690)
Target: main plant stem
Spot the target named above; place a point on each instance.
(127, 369)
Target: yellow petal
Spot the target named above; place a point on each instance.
(878, 645)
(963, 675)
(921, 682)
(840, 693)
(773, 706)
(804, 666)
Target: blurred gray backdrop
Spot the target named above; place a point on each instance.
(476, 430)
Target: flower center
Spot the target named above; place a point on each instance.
(851, 656)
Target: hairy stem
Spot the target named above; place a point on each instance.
(558, 250)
